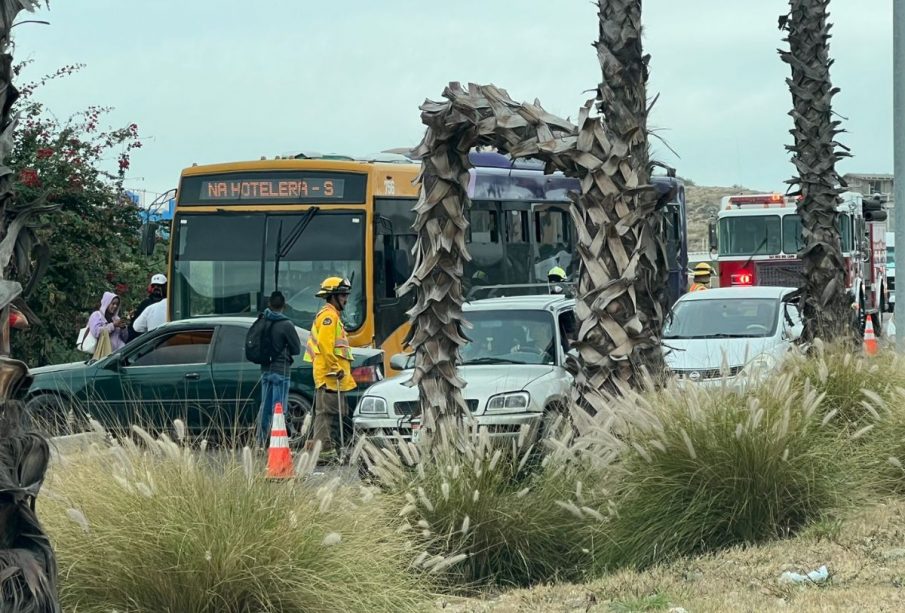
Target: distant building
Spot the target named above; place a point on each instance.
(870, 183)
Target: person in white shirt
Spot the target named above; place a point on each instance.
(152, 317)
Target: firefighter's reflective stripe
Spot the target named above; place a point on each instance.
(696, 287)
(328, 350)
(341, 346)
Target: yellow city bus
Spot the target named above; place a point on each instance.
(241, 230)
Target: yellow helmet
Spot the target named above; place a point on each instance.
(556, 271)
(333, 286)
(703, 270)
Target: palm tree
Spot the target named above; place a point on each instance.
(622, 283)
(826, 306)
(481, 115)
(623, 276)
(28, 569)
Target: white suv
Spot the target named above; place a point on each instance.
(513, 367)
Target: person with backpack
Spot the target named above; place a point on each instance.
(272, 341)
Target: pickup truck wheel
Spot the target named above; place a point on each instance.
(54, 415)
(299, 407)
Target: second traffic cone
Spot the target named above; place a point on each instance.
(279, 459)
(870, 340)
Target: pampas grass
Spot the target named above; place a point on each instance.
(704, 470)
(159, 530)
(485, 512)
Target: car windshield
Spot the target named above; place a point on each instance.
(227, 264)
(510, 337)
(723, 318)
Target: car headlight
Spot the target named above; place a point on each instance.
(372, 405)
(511, 401)
(759, 366)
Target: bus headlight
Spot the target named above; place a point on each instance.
(372, 405)
(511, 401)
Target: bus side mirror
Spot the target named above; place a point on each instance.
(711, 231)
(149, 237)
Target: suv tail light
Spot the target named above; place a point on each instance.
(367, 374)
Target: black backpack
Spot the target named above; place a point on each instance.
(258, 342)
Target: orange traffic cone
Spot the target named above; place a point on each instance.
(870, 340)
(279, 458)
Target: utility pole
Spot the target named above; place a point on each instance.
(898, 122)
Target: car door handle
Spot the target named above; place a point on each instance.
(192, 376)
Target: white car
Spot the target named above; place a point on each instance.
(731, 333)
(513, 367)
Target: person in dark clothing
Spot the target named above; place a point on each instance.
(285, 342)
(157, 291)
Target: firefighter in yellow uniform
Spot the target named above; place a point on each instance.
(331, 356)
(702, 274)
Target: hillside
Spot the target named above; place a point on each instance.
(704, 202)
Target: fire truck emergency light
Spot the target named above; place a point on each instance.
(742, 278)
(764, 200)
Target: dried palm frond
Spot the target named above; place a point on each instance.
(621, 297)
(826, 305)
(28, 570)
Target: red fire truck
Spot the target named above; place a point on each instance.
(757, 238)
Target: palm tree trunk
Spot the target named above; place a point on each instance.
(622, 284)
(623, 276)
(481, 115)
(28, 570)
(826, 305)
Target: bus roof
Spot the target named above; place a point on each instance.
(493, 176)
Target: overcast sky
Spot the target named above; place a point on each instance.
(221, 80)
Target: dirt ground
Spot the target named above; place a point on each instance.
(865, 556)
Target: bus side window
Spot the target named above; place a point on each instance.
(403, 262)
(482, 227)
(517, 228)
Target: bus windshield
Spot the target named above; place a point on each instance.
(229, 264)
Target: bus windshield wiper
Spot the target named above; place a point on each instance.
(292, 238)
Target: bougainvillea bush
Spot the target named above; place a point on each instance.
(93, 237)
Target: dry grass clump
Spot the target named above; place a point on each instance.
(171, 530)
(881, 458)
(852, 383)
(706, 470)
(486, 512)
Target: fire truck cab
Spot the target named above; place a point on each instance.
(757, 239)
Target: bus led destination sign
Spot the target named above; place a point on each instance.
(272, 190)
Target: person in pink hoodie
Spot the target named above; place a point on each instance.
(107, 318)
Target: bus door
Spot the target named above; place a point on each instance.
(484, 238)
(519, 256)
(554, 240)
(394, 262)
